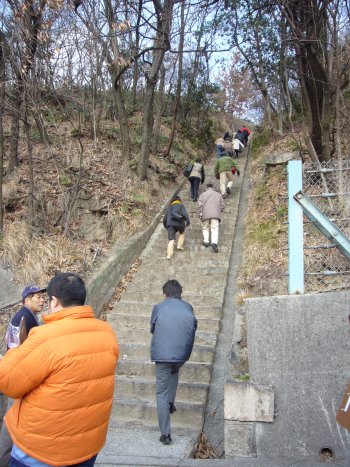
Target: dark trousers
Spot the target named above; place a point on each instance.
(167, 379)
(195, 182)
(88, 463)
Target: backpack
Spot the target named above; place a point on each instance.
(176, 216)
(188, 169)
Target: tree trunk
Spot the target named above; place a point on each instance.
(146, 130)
(41, 128)
(14, 132)
(164, 17)
(159, 109)
(179, 78)
(117, 82)
(2, 145)
(308, 22)
(135, 72)
(31, 214)
(123, 119)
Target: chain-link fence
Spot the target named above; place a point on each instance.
(328, 186)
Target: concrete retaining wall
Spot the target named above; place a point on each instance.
(298, 347)
(118, 261)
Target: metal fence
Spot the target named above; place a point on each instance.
(328, 186)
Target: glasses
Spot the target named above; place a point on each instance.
(49, 300)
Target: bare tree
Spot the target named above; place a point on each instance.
(2, 143)
(158, 111)
(161, 45)
(308, 21)
(179, 78)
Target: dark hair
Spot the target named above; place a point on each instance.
(172, 288)
(199, 160)
(210, 185)
(176, 198)
(68, 288)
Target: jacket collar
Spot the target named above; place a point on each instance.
(176, 202)
(73, 312)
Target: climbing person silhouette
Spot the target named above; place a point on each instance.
(223, 170)
(197, 177)
(210, 206)
(175, 220)
(173, 329)
(237, 144)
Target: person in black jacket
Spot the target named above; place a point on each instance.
(175, 220)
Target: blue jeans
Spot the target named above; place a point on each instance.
(219, 151)
(88, 463)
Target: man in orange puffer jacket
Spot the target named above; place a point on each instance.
(63, 378)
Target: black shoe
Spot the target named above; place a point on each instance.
(228, 189)
(206, 244)
(165, 439)
(223, 195)
(172, 407)
(215, 247)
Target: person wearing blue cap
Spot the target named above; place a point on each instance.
(33, 299)
(33, 302)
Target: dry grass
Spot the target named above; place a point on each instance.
(204, 449)
(36, 258)
(266, 234)
(241, 296)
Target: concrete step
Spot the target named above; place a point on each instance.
(139, 409)
(190, 372)
(168, 267)
(194, 255)
(138, 350)
(140, 335)
(208, 287)
(198, 299)
(143, 322)
(193, 242)
(195, 281)
(141, 308)
(134, 386)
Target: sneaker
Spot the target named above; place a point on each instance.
(215, 247)
(172, 407)
(228, 189)
(165, 439)
(223, 195)
(206, 244)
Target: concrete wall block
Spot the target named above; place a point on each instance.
(299, 345)
(239, 439)
(248, 402)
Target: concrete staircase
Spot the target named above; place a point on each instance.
(202, 274)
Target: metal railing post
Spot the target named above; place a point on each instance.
(295, 230)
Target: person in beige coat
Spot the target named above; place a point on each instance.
(210, 208)
(197, 177)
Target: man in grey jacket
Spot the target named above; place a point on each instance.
(210, 207)
(173, 326)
